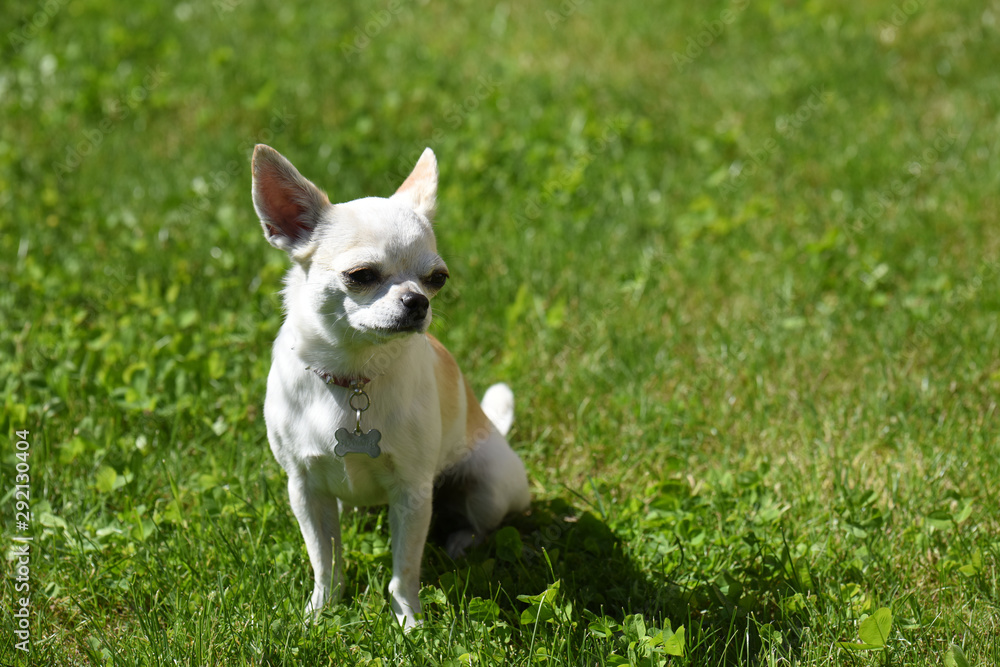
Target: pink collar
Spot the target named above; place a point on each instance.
(346, 383)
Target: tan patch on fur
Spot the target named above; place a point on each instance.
(477, 424)
(448, 379)
(450, 382)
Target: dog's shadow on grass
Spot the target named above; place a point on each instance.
(557, 541)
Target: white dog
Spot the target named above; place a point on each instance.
(363, 406)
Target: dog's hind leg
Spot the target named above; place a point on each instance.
(493, 484)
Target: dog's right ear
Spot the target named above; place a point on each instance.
(288, 205)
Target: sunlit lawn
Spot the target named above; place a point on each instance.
(739, 262)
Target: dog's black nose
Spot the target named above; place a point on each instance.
(416, 304)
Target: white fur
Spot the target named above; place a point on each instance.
(498, 404)
(347, 332)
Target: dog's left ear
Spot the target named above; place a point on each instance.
(419, 190)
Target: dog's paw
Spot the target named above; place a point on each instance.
(409, 623)
(311, 613)
(314, 609)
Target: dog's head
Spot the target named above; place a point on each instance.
(370, 266)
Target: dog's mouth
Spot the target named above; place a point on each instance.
(393, 331)
(379, 324)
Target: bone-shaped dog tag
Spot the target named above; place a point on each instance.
(356, 442)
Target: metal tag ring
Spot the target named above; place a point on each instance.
(360, 394)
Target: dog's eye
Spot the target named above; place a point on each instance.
(436, 280)
(362, 277)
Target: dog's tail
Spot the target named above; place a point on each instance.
(498, 404)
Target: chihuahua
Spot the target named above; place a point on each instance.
(363, 406)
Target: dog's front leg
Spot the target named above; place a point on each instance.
(319, 522)
(409, 521)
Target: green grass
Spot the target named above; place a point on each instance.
(739, 262)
